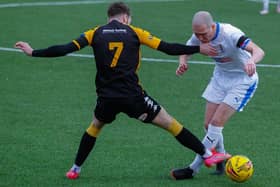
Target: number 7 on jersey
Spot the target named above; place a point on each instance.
(119, 48)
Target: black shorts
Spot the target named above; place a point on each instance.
(141, 107)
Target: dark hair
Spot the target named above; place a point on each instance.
(118, 8)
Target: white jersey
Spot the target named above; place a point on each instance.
(230, 58)
(230, 84)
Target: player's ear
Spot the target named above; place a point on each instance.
(213, 26)
(129, 20)
(125, 19)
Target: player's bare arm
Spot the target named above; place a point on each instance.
(257, 56)
(205, 49)
(183, 65)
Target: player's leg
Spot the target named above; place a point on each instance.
(237, 97)
(220, 167)
(149, 111)
(221, 116)
(210, 110)
(209, 113)
(187, 139)
(105, 112)
(214, 95)
(214, 124)
(86, 145)
(216, 112)
(265, 9)
(212, 137)
(182, 135)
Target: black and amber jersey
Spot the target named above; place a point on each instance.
(116, 48)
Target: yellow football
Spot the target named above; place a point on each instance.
(239, 168)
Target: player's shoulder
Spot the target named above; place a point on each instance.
(92, 29)
(137, 29)
(140, 32)
(230, 29)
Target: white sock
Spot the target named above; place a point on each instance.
(212, 136)
(196, 164)
(220, 146)
(198, 161)
(76, 168)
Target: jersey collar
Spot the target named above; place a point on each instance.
(217, 31)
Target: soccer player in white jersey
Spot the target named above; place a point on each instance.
(265, 9)
(232, 85)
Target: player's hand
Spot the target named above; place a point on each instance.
(250, 67)
(208, 50)
(182, 68)
(25, 47)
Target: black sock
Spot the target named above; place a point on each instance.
(186, 138)
(86, 145)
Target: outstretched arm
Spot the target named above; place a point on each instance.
(172, 48)
(53, 51)
(180, 49)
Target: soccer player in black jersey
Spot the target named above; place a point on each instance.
(116, 48)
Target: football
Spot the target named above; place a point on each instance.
(239, 168)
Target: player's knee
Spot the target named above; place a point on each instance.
(217, 122)
(162, 119)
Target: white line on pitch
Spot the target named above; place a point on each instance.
(143, 59)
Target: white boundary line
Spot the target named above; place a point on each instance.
(66, 3)
(143, 59)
